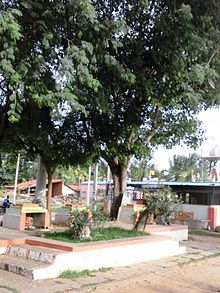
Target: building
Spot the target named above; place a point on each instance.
(58, 188)
(201, 200)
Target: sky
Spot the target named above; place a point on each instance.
(210, 123)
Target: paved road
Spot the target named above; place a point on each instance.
(170, 275)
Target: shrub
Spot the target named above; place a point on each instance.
(83, 218)
(163, 203)
(217, 229)
(79, 221)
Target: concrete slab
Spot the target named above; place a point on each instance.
(91, 256)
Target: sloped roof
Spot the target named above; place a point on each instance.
(31, 183)
(73, 187)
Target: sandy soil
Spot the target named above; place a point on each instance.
(203, 276)
(199, 274)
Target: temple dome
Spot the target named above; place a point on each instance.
(215, 152)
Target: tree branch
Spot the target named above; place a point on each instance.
(213, 55)
(154, 127)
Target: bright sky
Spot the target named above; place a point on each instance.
(211, 123)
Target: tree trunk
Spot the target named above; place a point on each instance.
(3, 118)
(119, 172)
(49, 190)
(40, 193)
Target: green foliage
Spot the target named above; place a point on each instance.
(79, 221)
(162, 203)
(107, 78)
(27, 168)
(140, 169)
(217, 229)
(72, 175)
(99, 216)
(68, 274)
(83, 218)
(191, 168)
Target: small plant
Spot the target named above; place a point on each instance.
(83, 218)
(68, 274)
(99, 216)
(162, 204)
(217, 229)
(79, 221)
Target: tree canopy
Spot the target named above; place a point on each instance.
(155, 75)
(122, 76)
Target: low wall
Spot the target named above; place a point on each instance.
(200, 211)
(62, 216)
(176, 232)
(112, 254)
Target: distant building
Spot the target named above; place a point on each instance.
(58, 188)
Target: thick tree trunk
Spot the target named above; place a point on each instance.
(40, 193)
(119, 172)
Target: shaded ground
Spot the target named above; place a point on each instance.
(196, 271)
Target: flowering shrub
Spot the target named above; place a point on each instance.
(83, 218)
(161, 204)
(78, 221)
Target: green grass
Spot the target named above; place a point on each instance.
(97, 234)
(55, 208)
(204, 233)
(192, 260)
(9, 289)
(21, 196)
(68, 274)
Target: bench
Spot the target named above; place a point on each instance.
(17, 217)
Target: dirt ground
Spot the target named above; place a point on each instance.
(196, 271)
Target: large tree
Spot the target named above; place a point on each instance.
(41, 48)
(155, 75)
(38, 134)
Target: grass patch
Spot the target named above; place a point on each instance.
(9, 289)
(68, 274)
(97, 234)
(192, 260)
(55, 208)
(204, 233)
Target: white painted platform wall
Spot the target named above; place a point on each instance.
(110, 257)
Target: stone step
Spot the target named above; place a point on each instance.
(33, 253)
(20, 266)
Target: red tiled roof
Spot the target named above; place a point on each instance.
(30, 183)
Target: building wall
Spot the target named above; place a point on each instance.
(101, 189)
(67, 190)
(200, 211)
(218, 214)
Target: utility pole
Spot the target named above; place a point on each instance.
(95, 182)
(88, 187)
(16, 178)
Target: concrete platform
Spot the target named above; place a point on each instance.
(40, 258)
(177, 232)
